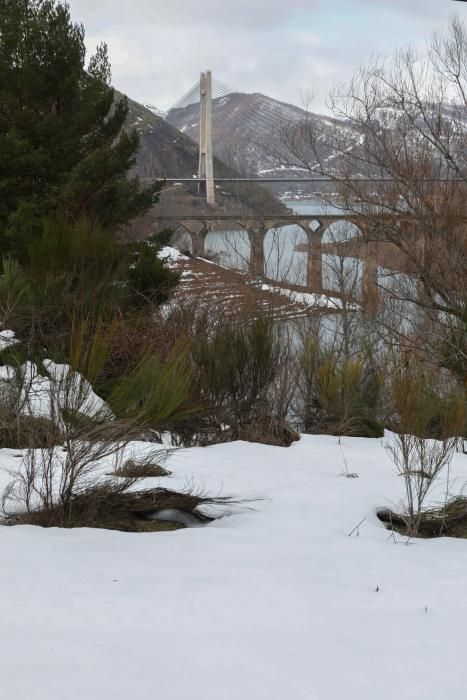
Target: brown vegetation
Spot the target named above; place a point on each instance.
(400, 165)
(140, 469)
(448, 521)
(114, 506)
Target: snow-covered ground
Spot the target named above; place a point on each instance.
(306, 298)
(279, 603)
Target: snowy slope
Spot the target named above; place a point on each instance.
(273, 604)
(259, 136)
(250, 133)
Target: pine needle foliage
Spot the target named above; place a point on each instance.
(62, 140)
(236, 367)
(342, 394)
(14, 291)
(90, 345)
(149, 279)
(155, 392)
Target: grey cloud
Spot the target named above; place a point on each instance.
(230, 14)
(279, 47)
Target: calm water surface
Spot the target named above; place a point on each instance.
(283, 261)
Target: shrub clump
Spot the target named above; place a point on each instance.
(133, 469)
(21, 432)
(235, 369)
(114, 506)
(450, 520)
(268, 430)
(342, 397)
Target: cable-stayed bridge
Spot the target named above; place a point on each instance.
(219, 117)
(193, 114)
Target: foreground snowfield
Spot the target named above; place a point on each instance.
(277, 603)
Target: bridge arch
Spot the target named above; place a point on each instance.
(231, 247)
(195, 236)
(341, 231)
(285, 251)
(248, 246)
(348, 261)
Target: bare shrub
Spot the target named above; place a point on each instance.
(418, 460)
(65, 485)
(53, 474)
(19, 428)
(50, 477)
(400, 166)
(284, 388)
(449, 520)
(21, 432)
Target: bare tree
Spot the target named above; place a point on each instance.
(425, 408)
(399, 162)
(420, 463)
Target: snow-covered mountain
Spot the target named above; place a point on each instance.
(255, 134)
(167, 152)
(155, 110)
(259, 136)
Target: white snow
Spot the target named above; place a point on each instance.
(84, 397)
(306, 298)
(171, 255)
(269, 604)
(7, 338)
(48, 393)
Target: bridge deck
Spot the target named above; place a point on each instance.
(341, 216)
(319, 180)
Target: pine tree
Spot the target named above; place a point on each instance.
(62, 143)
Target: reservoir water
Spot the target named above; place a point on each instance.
(284, 249)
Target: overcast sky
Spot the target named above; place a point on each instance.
(281, 48)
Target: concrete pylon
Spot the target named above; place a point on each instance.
(202, 129)
(206, 170)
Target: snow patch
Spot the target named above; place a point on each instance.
(306, 298)
(46, 395)
(171, 255)
(7, 339)
(274, 603)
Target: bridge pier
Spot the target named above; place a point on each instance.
(198, 241)
(257, 262)
(314, 263)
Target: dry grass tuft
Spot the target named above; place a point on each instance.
(140, 470)
(449, 520)
(112, 506)
(267, 430)
(20, 432)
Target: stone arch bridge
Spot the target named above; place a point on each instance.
(256, 226)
